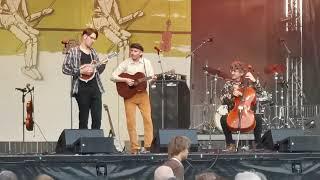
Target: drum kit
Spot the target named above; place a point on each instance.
(265, 101)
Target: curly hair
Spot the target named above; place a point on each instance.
(237, 65)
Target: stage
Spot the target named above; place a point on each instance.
(273, 165)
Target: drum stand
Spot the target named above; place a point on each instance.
(205, 108)
(213, 97)
(280, 109)
(277, 114)
(209, 101)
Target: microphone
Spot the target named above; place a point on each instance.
(65, 41)
(22, 90)
(28, 87)
(157, 49)
(210, 39)
(283, 42)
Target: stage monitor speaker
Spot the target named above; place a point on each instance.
(312, 125)
(163, 137)
(69, 136)
(90, 145)
(176, 104)
(300, 144)
(272, 137)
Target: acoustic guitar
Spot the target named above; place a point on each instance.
(140, 84)
(111, 132)
(87, 78)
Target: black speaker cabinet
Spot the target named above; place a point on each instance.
(176, 104)
(90, 145)
(163, 137)
(69, 136)
(300, 144)
(272, 137)
(312, 125)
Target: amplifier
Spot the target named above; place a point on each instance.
(300, 144)
(91, 145)
(161, 77)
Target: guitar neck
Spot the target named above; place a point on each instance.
(144, 79)
(110, 121)
(105, 60)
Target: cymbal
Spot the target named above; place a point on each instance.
(217, 72)
(275, 68)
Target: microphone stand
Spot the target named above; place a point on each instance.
(198, 47)
(65, 51)
(283, 42)
(24, 93)
(162, 91)
(71, 107)
(23, 114)
(192, 54)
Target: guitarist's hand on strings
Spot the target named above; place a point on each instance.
(86, 69)
(154, 78)
(130, 82)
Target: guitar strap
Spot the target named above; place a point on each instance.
(91, 55)
(145, 69)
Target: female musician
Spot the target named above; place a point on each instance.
(230, 91)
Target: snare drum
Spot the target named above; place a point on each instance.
(262, 100)
(222, 110)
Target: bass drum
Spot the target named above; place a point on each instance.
(222, 110)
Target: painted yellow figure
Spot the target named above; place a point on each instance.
(107, 19)
(15, 18)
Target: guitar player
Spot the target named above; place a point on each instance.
(80, 61)
(136, 63)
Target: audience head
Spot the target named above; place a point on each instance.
(164, 173)
(208, 176)
(179, 146)
(44, 177)
(8, 175)
(248, 175)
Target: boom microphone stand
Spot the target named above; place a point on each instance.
(192, 54)
(199, 46)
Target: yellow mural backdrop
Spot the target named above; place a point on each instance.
(145, 21)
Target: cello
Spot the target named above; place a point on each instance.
(241, 118)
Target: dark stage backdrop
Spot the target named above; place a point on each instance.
(251, 31)
(311, 50)
(244, 29)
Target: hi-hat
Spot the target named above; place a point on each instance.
(217, 72)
